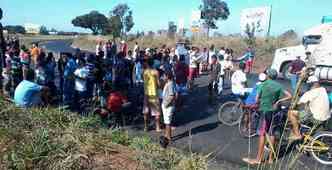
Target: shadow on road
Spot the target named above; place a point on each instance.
(197, 130)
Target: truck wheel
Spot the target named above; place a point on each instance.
(285, 72)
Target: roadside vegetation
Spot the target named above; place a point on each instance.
(264, 47)
(50, 138)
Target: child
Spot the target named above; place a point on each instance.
(168, 104)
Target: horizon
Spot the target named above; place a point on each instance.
(283, 16)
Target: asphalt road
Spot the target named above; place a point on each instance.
(199, 130)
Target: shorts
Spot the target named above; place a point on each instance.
(168, 114)
(271, 124)
(192, 73)
(307, 117)
(152, 105)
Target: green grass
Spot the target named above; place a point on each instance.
(50, 138)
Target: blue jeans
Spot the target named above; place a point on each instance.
(68, 92)
(293, 78)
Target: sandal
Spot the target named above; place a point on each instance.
(251, 161)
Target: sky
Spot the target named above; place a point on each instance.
(155, 14)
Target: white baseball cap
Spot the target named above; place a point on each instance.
(262, 77)
(312, 79)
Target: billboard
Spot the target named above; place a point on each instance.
(32, 28)
(195, 21)
(256, 17)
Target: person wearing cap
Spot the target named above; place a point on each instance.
(318, 104)
(269, 95)
(310, 62)
(295, 69)
(251, 100)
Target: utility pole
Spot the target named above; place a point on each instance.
(270, 21)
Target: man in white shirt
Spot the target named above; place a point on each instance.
(193, 66)
(239, 80)
(318, 107)
(81, 74)
(135, 51)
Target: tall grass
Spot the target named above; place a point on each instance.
(51, 138)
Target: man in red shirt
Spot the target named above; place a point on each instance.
(117, 102)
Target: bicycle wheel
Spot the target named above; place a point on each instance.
(230, 113)
(322, 147)
(253, 121)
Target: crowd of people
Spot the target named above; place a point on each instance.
(33, 77)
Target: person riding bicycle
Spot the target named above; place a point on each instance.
(269, 95)
(239, 82)
(318, 110)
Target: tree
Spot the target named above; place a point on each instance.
(126, 19)
(129, 22)
(53, 30)
(94, 21)
(212, 11)
(172, 28)
(43, 30)
(12, 29)
(114, 26)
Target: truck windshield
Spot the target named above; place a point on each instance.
(311, 39)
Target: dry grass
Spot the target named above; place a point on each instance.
(264, 47)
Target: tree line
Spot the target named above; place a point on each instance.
(119, 22)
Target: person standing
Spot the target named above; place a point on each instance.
(269, 95)
(25, 60)
(81, 75)
(35, 53)
(168, 103)
(124, 48)
(295, 69)
(135, 51)
(69, 80)
(151, 97)
(214, 70)
(193, 70)
(99, 47)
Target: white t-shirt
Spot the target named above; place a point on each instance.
(318, 103)
(135, 51)
(238, 79)
(80, 80)
(211, 53)
(193, 60)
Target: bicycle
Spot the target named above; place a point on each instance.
(230, 113)
(249, 121)
(317, 141)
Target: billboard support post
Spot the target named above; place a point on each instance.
(269, 28)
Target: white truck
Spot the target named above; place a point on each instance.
(317, 41)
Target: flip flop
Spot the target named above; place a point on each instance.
(251, 161)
